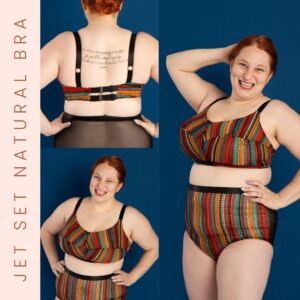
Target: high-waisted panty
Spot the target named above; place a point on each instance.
(73, 286)
(217, 216)
(102, 132)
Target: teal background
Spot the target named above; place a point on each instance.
(208, 24)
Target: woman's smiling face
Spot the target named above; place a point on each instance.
(104, 183)
(250, 71)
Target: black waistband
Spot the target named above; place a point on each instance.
(69, 118)
(215, 189)
(86, 277)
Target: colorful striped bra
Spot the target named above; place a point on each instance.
(240, 143)
(106, 246)
(103, 93)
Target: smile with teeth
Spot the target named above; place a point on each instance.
(100, 192)
(246, 85)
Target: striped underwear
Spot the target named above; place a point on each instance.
(73, 286)
(218, 216)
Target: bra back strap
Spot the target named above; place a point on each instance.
(261, 108)
(131, 57)
(78, 59)
(122, 212)
(78, 204)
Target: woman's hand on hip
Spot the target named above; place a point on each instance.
(122, 278)
(149, 126)
(261, 194)
(57, 125)
(58, 268)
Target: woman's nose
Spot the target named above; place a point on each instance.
(100, 183)
(248, 74)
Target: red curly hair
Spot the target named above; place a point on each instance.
(261, 42)
(103, 7)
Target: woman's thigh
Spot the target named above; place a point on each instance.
(199, 272)
(243, 269)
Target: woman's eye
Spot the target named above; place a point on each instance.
(260, 70)
(242, 64)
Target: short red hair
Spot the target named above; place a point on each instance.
(103, 7)
(262, 42)
(114, 161)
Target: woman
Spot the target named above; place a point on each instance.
(96, 233)
(230, 213)
(102, 69)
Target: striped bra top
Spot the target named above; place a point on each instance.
(106, 246)
(240, 143)
(103, 93)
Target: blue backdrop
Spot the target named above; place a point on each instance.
(65, 173)
(208, 24)
(67, 15)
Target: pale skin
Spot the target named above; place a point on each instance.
(105, 57)
(244, 262)
(98, 212)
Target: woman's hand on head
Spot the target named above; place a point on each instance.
(149, 126)
(56, 126)
(227, 51)
(123, 278)
(58, 268)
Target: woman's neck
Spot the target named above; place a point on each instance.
(96, 22)
(102, 206)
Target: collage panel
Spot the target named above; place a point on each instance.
(104, 56)
(87, 252)
(227, 147)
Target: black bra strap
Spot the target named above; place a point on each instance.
(78, 59)
(78, 204)
(122, 212)
(215, 101)
(131, 57)
(260, 109)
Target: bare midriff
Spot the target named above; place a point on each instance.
(91, 269)
(226, 176)
(126, 107)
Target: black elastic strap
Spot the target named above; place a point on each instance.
(78, 204)
(122, 212)
(260, 109)
(131, 57)
(78, 59)
(104, 89)
(215, 101)
(87, 277)
(107, 97)
(69, 118)
(214, 189)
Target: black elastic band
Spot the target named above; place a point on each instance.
(215, 189)
(260, 109)
(104, 89)
(122, 212)
(78, 59)
(78, 204)
(69, 118)
(86, 277)
(217, 100)
(131, 57)
(101, 97)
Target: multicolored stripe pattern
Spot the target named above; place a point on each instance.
(240, 142)
(127, 90)
(72, 288)
(105, 246)
(215, 220)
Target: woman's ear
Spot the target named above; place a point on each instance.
(120, 186)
